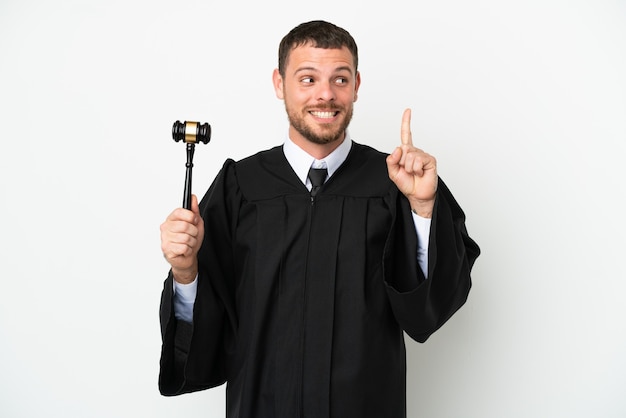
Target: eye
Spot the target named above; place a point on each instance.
(341, 80)
(306, 80)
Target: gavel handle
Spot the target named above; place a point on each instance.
(189, 165)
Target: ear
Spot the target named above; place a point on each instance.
(357, 84)
(277, 80)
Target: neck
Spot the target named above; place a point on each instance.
(317, 151)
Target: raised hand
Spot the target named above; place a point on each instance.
(181, 237)
(413, 171)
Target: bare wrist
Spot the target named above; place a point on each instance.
(184, 276)
(423, 208)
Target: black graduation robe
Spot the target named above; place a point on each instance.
(302, 303)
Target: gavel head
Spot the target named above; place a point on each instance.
(191, 132)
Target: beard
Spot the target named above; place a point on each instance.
(328, 133)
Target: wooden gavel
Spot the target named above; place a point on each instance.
(191, 133)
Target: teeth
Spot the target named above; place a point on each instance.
(327, 115)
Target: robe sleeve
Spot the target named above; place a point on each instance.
(195, 356)
(421, 306)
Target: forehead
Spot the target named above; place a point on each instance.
(308, 56)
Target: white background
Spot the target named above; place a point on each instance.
(523, 104)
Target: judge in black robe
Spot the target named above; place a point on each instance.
(302, 302)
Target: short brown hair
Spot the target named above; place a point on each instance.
(320, 34)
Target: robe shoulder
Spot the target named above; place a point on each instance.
(267, 175)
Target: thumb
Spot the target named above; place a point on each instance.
(195, 208)
(395, 156)
(393, 161)
(198, 221)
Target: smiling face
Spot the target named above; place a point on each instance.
(319, 88)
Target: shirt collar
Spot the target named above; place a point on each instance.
(301, 161)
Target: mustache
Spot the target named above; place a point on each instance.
(331, 107)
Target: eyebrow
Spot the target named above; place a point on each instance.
(313, 69)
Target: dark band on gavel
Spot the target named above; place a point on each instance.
(191, 133)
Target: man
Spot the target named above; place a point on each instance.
(297, 295)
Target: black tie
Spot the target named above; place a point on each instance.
(317, 176)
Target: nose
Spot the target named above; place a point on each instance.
(326, 91)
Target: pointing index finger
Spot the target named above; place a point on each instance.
(405, 130)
